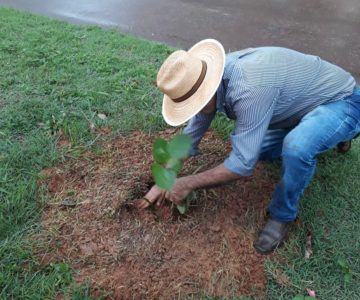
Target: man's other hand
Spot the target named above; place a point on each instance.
(155, 195)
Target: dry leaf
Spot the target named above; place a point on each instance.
(308, 246)
(87, 249)
(68, 203)
(101, 116)
(215, 228)
(281, 278)
(56, 183)
(92, 127)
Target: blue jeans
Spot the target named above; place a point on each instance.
(319, 130)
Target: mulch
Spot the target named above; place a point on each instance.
(90, 224)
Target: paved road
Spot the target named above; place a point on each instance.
(328, 28)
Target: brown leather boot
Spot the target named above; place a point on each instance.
(272, 236)
(343, 147)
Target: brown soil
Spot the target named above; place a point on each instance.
(154, 254)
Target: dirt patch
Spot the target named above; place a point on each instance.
(154, 254)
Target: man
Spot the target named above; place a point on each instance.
(285, 104)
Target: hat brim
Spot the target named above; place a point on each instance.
(212, 52)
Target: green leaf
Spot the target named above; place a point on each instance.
(343, 263)
(182, 208)
(164, 178)
(176, 165)
(299, 297)
(347, 277)
(179, 147)
(160, 153)
(309, 298)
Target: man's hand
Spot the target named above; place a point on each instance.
(156, 195)
(179, 191)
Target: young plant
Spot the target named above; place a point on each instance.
(168, 157)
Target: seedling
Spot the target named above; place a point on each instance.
(168, 157)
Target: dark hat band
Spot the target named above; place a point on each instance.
(196, 85)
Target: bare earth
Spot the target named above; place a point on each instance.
(157, 253)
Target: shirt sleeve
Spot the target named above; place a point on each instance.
(196, 129)
(253, 109)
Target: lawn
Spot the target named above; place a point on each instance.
(59, 80)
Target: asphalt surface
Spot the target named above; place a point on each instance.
(328, 28)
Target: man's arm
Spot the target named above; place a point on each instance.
(185, 185)
(196, 129)
(210, 178)
(254, 111)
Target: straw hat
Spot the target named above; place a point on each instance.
(190, 79)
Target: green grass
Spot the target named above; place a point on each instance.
(331, 210)
(55, 76)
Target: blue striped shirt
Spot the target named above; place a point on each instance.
(268, 87)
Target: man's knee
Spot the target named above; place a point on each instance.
(295, 149)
